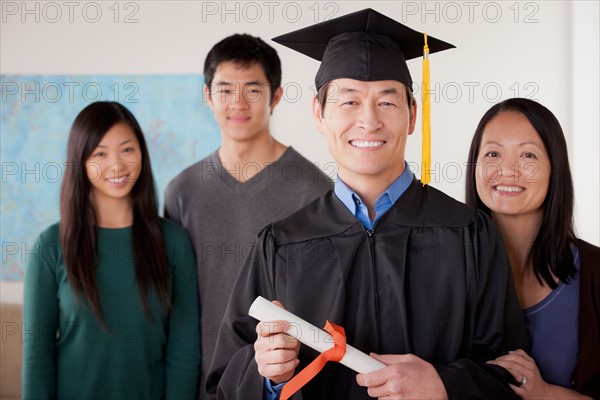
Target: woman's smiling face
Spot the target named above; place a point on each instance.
(513, 168)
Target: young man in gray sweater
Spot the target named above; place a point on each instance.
(249, 182)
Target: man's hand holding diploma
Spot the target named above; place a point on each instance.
(405, 377)
(276, 353)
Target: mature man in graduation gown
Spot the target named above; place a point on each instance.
(410, 273)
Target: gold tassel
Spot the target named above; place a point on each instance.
(426, 119)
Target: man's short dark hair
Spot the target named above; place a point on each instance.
(244, 50)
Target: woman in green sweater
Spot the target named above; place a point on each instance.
(111, 294)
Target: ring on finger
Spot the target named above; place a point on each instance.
(524, 380)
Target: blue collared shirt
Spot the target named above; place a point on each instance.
(383, 203)
(272, 392)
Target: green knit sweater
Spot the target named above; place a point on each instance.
(68, 355)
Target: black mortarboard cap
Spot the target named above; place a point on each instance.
(364, 45)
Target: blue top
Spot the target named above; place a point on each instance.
(553, 326)
(272, 392)
(383, 203)
(358, 208)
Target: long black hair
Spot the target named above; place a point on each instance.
(78, 217)
(550, 251)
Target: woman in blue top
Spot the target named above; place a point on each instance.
(519, 174)
(111, 296)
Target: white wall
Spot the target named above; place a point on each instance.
(584, 142)
(547, 50)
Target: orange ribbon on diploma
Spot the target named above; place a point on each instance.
(335, 354)
(317, 339)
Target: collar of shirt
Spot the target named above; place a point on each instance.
(384, 202)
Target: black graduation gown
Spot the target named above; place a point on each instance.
(431, 279)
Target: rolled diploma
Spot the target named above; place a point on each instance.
(315, 338)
